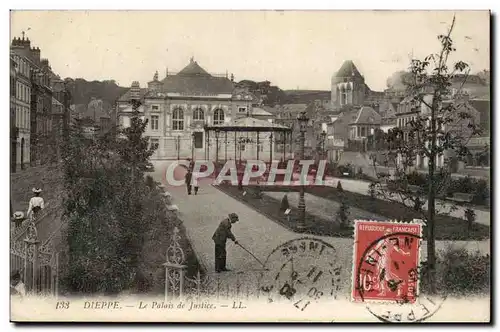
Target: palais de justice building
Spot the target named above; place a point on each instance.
(179, 106)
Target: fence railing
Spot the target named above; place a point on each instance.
(37, 264)
(228, 285)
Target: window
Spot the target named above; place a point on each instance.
(154, 122)
(343, 98)
(242, 109)
(155, 143)
(218, 116)
(154, 107)
(198, 114)
(178, 119)
(198, 140)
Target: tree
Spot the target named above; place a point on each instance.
(105, 204)
(342, 216)
(441, 125)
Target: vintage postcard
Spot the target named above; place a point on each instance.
(250, 166)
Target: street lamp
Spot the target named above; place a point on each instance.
(217, 146)
(192, 146)
(303, 120)
(323, 139)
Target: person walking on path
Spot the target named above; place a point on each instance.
(188, 178)
(36, 203)
(222, 233)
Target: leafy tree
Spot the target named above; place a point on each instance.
(105, 204)
(442, 125)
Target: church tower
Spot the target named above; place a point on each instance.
(348, 86)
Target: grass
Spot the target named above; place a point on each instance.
(447, 227)
(270, 207)
(158, 241)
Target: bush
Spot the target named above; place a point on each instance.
(417, 179)
(470, 216)
(372, 191)
(342, 216)
(478, 187)
(459, 273)
(284, 203)
(150, 182)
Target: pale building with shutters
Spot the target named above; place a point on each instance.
(179, 106)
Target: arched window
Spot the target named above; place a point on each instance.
(218, 116)
(178, 119)
(198, 114)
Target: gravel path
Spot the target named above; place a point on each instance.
(201, 215)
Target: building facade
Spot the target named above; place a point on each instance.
(22, 109)
(14, 130)
(409, 110)
(38, 100)
(178, 107)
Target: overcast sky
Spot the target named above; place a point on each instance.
(290, 49)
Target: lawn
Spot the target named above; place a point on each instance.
(447, 228)
(270, 207)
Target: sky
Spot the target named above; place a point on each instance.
(291, 49)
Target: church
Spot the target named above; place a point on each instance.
(181, 106)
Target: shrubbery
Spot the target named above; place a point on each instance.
(479, 188)
(460, 273)
(108, 207)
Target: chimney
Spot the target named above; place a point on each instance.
(44, 63)
(135, 91)
(21, 47)
(35, 55)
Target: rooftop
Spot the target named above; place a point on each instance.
(348, 69)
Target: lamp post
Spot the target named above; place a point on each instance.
(323, 140)
(303, 120)
(217, 146)
(178, 147)
(192, 146)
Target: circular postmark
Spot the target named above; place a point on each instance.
(387, 279)
(303, 271)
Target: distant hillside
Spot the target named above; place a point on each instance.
(82, 91)
(269, 94)
(306, 96)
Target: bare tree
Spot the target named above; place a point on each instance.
(439, 124)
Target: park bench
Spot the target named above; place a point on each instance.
(414, 189)
(461, 197)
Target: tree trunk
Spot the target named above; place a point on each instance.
(431, 243)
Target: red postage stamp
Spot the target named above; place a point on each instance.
(386, 259)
